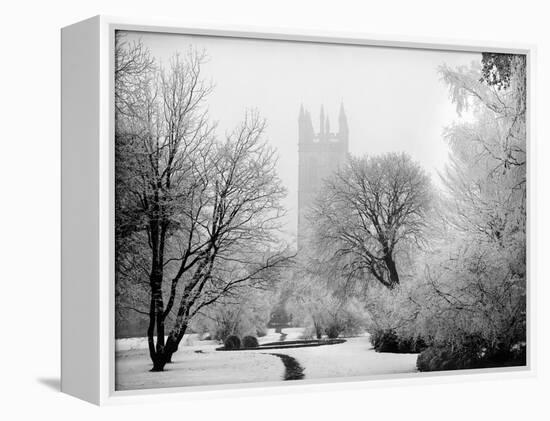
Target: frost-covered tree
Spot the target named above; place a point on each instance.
(473, 299)
(485, 182)
(244, 312)
(204, 211)
(317, 303)
(496, 94)
(371, 210)
(465, 291)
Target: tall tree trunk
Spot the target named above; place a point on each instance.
(165, 356)
(156, 319)
(392, 270)
(164, 352)
(151, 331)
(318, 329)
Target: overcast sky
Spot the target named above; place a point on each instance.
(394, 98)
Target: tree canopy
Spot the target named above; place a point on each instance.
(371, 210)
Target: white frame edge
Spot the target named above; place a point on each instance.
(88, 361)
(80, 124)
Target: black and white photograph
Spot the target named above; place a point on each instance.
(315, 211)
(275, 210)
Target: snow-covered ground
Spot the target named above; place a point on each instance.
(198, 363)
(293, 333)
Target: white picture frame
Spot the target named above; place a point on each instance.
(88, 210)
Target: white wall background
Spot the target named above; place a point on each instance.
(29, 206)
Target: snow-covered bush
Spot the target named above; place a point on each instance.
(247, 317)
(333, 330)
(470, 355)
(345, 319)
(308, 333)
(232, 342)
(250, 342)
(389, 341)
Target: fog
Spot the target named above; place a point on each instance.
(394, 98)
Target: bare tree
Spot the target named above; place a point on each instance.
(134, 70)
(237, 214)
(161, 136)
(367, 210)
(205, 212)
(133, 64)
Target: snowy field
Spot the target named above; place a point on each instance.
(197, 363)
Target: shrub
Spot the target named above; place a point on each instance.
(441, 358)
(333, 331)
(313, 331)
(346, 323)
(223, 331)
(471, 355)
(352, 323)
(419, 344)
(232, 342)
(387, 340)
(250, 342)
(384, 340)
(225, 319)
(318, 330)
(308, 333)
(517, 355)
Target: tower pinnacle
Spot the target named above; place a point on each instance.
(322, 122)
(342, 121)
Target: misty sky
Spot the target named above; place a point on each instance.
(394, 98)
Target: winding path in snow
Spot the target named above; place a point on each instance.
(293, 369)
(354, 358)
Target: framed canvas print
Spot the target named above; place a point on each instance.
(245, 210)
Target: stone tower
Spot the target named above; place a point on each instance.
(319, 155)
